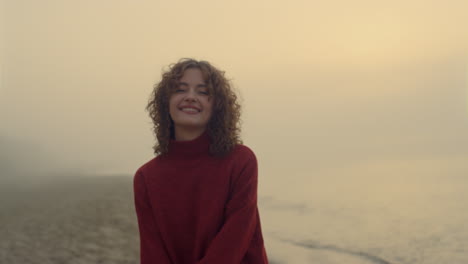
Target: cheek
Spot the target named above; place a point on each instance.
(209, 113)
(172, 105)
(209, 108)
(174, 100)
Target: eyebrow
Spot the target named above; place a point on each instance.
(200, 85)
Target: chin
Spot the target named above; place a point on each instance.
(191, 125)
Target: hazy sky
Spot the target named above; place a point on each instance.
(325, 85)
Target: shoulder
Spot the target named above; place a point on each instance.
(244, 165)
(242, 150)
(148, 167)
(242, 154)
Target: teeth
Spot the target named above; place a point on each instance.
(190, 110)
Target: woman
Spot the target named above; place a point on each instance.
(196, 201)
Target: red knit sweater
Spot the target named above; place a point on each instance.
(194, 208)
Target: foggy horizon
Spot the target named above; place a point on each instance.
(326, 87)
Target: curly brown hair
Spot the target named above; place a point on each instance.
(224, 125)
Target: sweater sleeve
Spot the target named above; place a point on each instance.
(232, 241)
(152, 249)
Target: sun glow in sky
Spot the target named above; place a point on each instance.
(325, 82)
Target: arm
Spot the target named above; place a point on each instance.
(152, 249)
(232, 241)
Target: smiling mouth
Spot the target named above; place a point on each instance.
(189, 110)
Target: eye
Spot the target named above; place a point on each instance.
(179, 90)
(203, 92)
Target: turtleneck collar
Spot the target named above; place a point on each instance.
(195, 147)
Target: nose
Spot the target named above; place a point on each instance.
(190, 96)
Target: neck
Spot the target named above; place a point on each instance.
(188, 149)
(182, 134)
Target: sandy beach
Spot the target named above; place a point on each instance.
(80, 220)
(74, 220)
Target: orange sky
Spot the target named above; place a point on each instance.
(323, 84)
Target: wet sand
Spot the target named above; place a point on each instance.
(82, 220)
(79, 220)
(75, 220)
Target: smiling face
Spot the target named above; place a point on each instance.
(190, 105)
